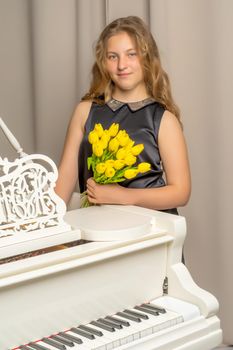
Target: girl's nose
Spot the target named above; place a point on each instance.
(122, 63)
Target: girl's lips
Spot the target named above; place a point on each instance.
(123, 74)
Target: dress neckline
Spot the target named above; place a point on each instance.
(114, 104)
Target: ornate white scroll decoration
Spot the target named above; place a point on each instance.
(27, 198)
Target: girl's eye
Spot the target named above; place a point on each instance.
(112, 57)
(131, 54)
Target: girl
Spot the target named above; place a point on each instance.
(129, 87)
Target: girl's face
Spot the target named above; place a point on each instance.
(124, 66)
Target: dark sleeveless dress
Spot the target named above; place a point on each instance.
(141, 120)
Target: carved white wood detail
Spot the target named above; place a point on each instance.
(28, 201)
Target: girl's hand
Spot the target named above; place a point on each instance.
(105, 194)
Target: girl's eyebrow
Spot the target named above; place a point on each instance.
(132, 49)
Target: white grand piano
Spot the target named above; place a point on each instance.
(103, 277)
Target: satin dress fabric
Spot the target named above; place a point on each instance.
(141, 120)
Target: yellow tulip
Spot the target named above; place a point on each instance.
(103, 141)
(144, 167)
(129, 145)
(123, 138)
(130, 159)
(130, 173)
(93, 137)
(113, 130)
(105, 135)
(120, 133)
(113, 145)
(121, 153)
(109, 162)
(99, 129)
(109, 172)
(100, 168)
(136, 150)
(119, 164)
(97, 149)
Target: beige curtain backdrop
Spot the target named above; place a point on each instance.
(46, 53)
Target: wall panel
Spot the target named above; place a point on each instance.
(16, 92)
(122, 8)
(54, 52)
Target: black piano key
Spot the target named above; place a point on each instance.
(83, 333)
(62, 340)
(91, 330)
(129, 317)
(118, 320)
(54, 343)
(71, 337)
(110, 323)
(103, 326)
(147, 310)
(25, 347)
(38, 346)
(155, 307)
(136, 314)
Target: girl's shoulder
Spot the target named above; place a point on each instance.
(170, 126)
(84, 106)
(81, 113)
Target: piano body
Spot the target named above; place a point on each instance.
(102, 277)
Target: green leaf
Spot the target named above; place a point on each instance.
(100, 178)
(89, 162)
(118, 180)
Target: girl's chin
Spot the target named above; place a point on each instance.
(124, 87)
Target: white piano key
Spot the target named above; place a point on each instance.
(62, 340)
(147, 311)
(101, 325)
(73, 338)
(124, 334)
(111, 339)
(139, 329)
(92, 331)
(126, 316)
(116, 338)
(152, 306)
(166, 320)
(79, 332)
(75, 347)
(153, 324)
(110, 323)
(134, 312)
(53, 344)
(91, 344)
(45, 345)
(130, 333)
(120, 321)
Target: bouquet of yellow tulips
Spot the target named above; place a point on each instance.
(114, 157)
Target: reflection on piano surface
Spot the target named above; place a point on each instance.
(102, 277)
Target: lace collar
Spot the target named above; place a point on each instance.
(134, 106)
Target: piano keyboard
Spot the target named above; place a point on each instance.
(112, 331)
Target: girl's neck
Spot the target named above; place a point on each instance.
(129, 96)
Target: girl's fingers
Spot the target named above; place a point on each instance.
(90, 192)
(92, 200)
(91, 181)
(91, 197)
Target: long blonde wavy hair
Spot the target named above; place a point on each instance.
(156, 79)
